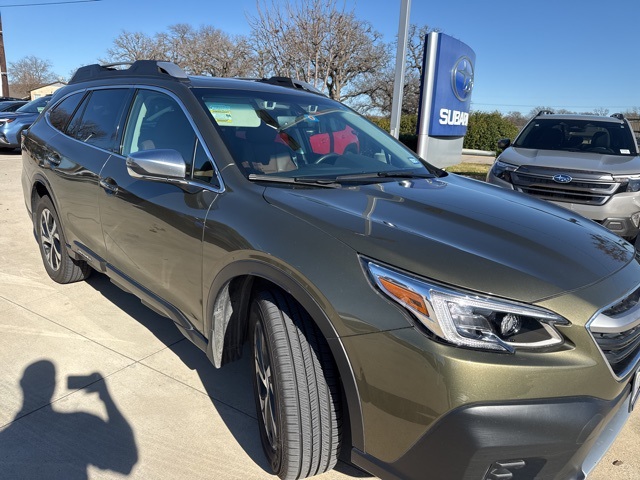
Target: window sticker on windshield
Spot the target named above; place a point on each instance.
(414, 160)
(233, 114)
(311, 118)
(624, 151)
(221, 113)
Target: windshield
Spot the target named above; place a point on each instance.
(584, 135)
(34, 106)
(305, 136)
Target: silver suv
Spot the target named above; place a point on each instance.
(585, 163)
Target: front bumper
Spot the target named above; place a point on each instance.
(548, 439)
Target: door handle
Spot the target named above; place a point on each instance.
(109, 184)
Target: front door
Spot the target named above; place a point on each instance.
(152, 229)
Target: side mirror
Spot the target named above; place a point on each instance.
(504, 143)
(159, 165)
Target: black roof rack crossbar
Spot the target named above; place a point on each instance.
(139, 68)
(544, 112)
(291, 83)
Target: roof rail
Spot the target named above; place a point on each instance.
(291, 83)
(139, 68)
(619, 116)
(544, 112)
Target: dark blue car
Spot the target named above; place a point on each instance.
(13, 123)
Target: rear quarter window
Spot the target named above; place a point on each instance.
(96, 121)
(60, 115)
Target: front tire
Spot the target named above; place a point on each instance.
(296, 388)
(53, 247)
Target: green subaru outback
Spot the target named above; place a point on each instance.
(417, 323)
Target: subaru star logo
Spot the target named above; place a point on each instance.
(462, 79)
(562, 178)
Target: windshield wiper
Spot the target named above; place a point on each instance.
(374, 175)
(314, 182)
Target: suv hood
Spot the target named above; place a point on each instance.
(561, 160)
(464, 233)
(6, 115)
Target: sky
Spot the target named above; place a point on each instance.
(577, 55)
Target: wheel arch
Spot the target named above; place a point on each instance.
(40, 188)
(227, 317)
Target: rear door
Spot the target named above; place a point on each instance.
(87, 123)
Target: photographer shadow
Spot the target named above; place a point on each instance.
(56, 445)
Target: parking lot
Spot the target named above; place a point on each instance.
(157, 408)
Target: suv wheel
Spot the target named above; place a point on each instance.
(295, 387)
(53, 247)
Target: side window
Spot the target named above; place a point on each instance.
(157, 122)
(60, 115)
(96, 122)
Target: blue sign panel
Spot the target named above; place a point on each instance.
(453, 83)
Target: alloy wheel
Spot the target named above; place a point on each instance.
(50, 239)
(264, 382)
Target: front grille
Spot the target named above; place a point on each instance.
(617, 333)
(589, 188)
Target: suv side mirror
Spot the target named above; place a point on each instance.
(158, 164)
(504, 143)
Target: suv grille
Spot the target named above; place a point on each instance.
(617, 333)
(588, 188)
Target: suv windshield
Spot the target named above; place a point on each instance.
(306, 137)
(595, 136)
(35, 106)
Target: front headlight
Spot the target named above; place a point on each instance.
(467, 319)
(632, 181)
(633, 185)
(503, 170)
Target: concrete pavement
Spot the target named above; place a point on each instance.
(156, 409)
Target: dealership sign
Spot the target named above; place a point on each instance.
(448, 84)
(448, 75)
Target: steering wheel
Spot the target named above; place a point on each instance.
(324, 158)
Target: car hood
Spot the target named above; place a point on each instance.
(7, 115)
(464, 233)
(560, 160)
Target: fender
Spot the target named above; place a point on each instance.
(264, 267)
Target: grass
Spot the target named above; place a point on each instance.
(474, 170)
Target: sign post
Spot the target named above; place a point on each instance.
(398, 84)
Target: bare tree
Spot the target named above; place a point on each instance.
(203, 51)
(377, 90)
(214, 52)
(601, 111)
(28, 73)
(318, 42)
(132, 46)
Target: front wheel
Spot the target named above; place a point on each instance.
(53, 248)
(296, 388)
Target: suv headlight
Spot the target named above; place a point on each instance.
(632, 181)
(467, 319)
(633, 185)
(503, 170)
